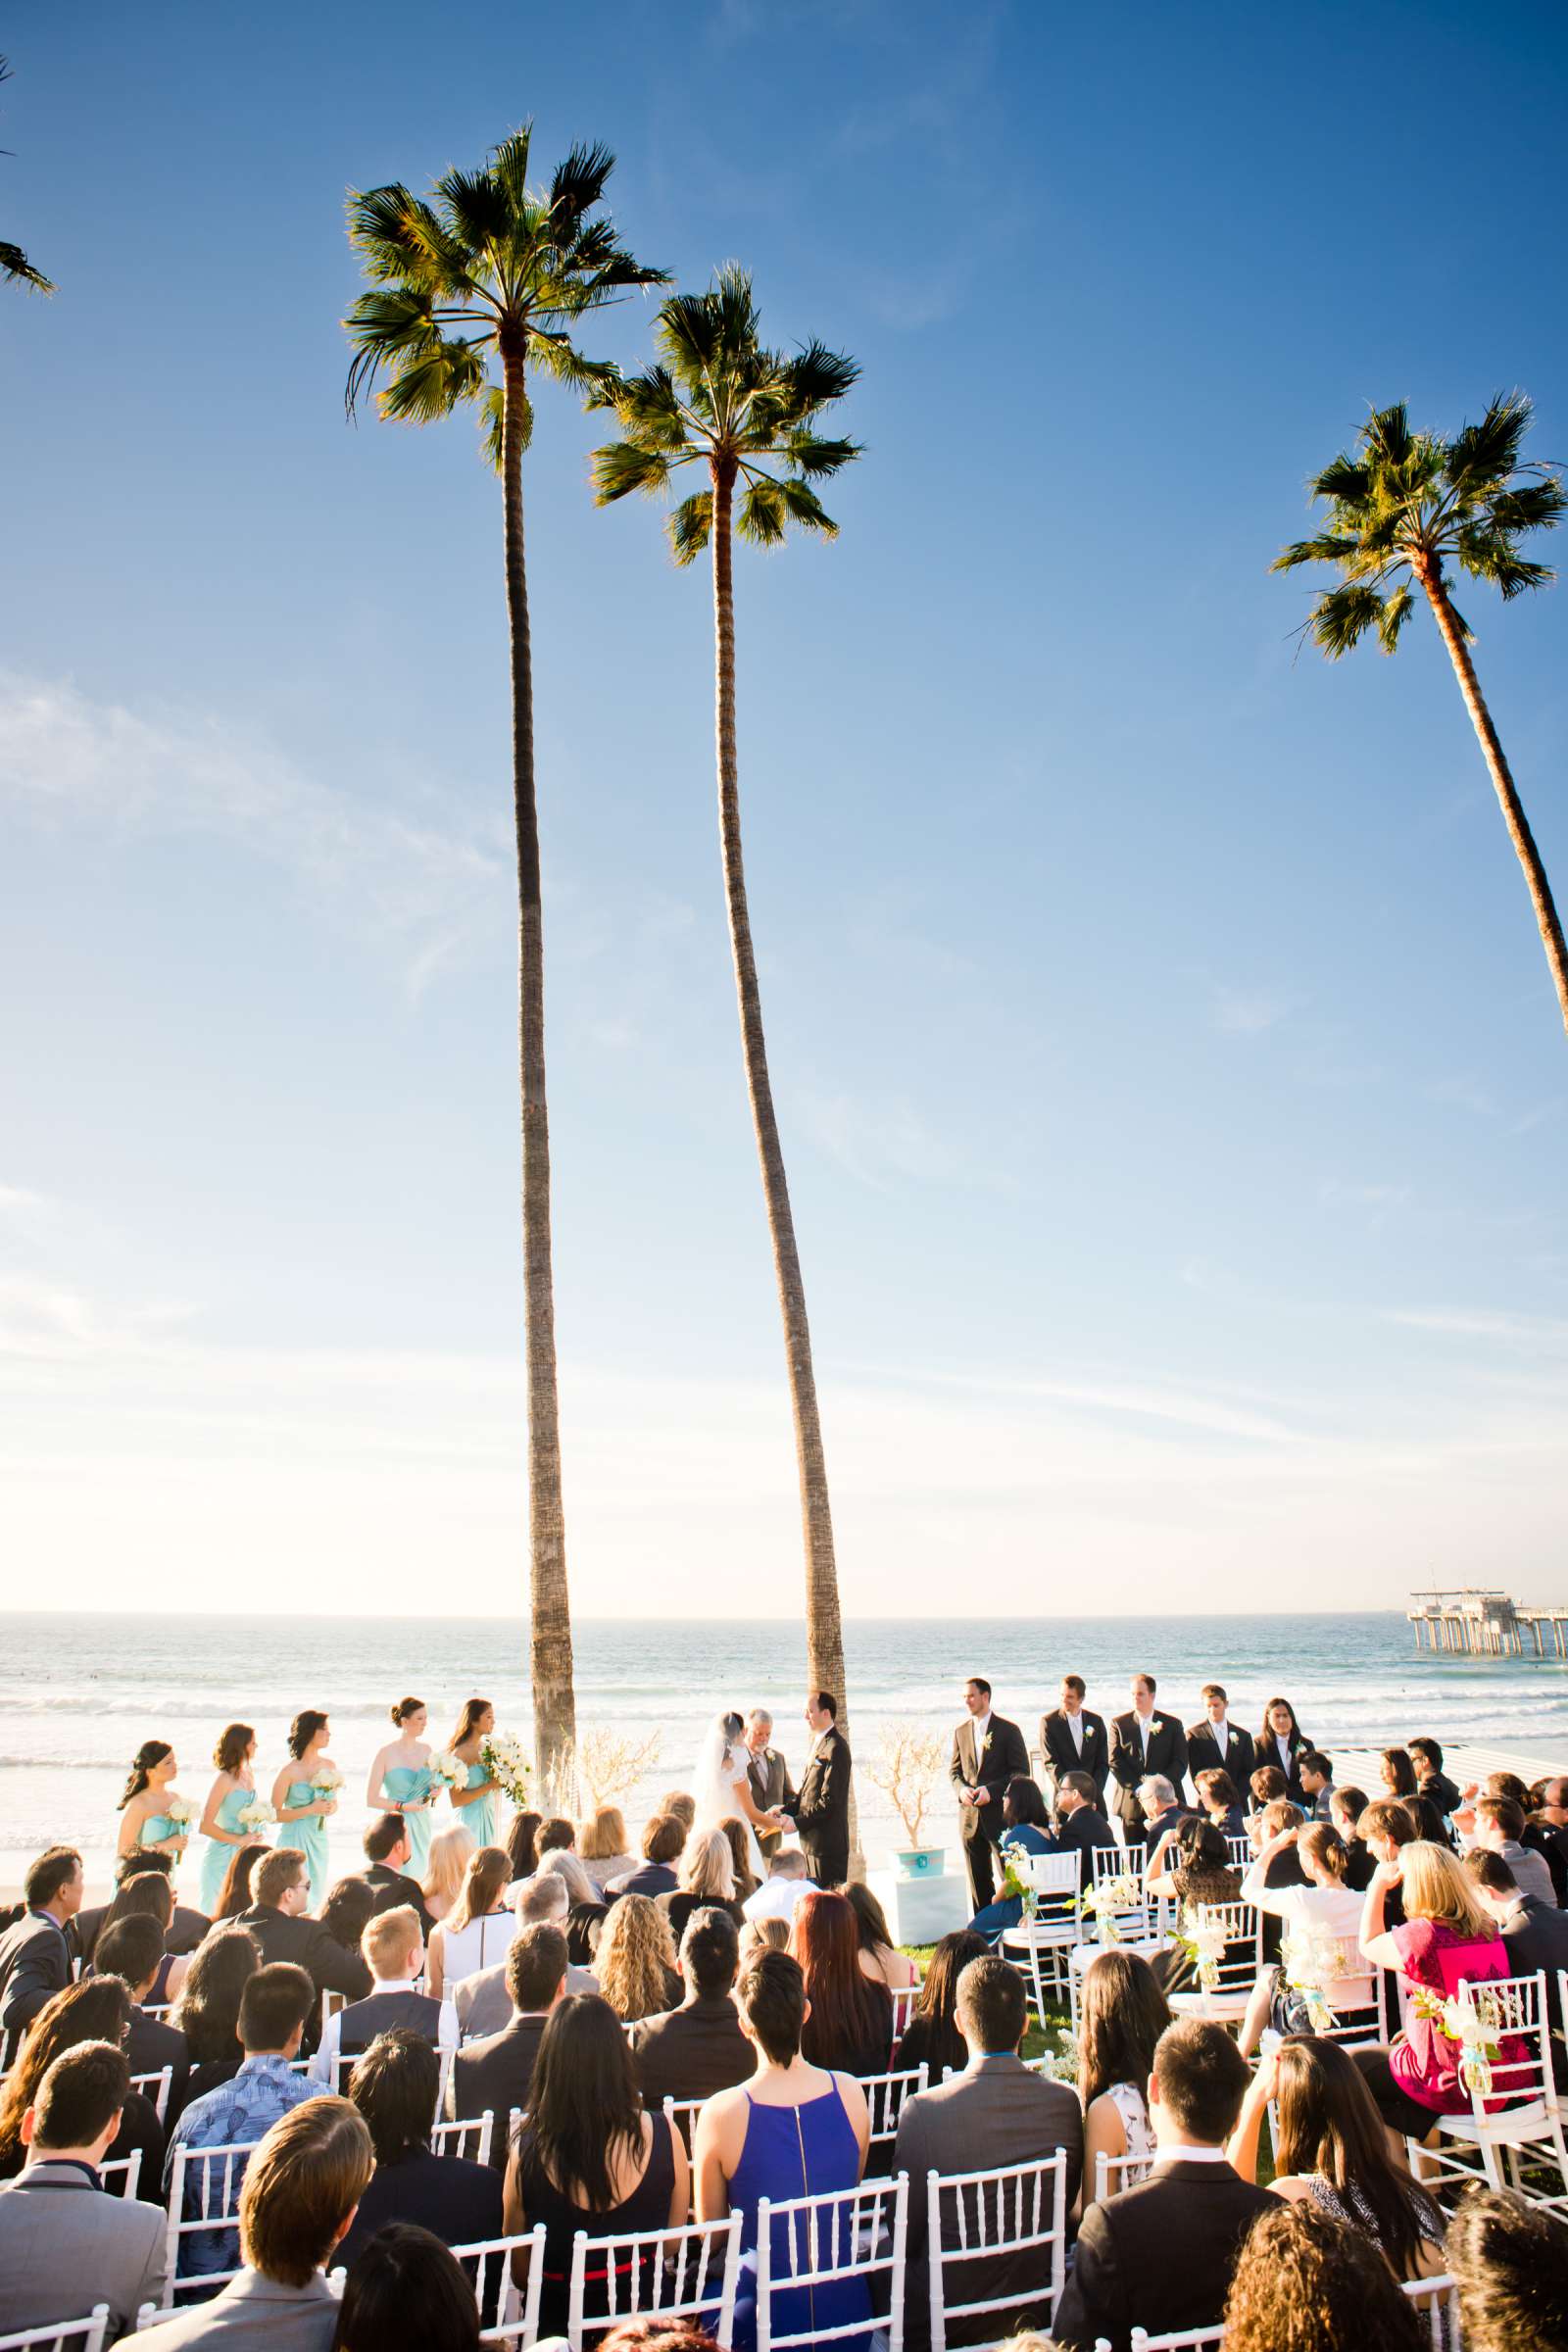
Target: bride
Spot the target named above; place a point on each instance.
(724, 1790)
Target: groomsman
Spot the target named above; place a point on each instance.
(1217, 1744)
(768, 1775)
(1144, 1742)
(821, 1811)
(987, 1753)
(1073, 1739)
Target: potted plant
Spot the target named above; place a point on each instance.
(906, 1767)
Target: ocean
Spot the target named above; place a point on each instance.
(79, 1694)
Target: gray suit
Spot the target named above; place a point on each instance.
(258, 2311)
(484, 2005)
(67, 2246)
(769, 1777)
(995, 2113)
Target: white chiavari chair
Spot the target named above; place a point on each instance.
(807, 2244)
(1005, 2228)
(689, 2273)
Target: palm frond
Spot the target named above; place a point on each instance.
(621, 467)
(18, 270)
(688, 333)
(1532, 506)
(478, 212)
(1482, 456)
(1387, 434)
(1395, 612)
(802, 506)
(1329, 547)
(761, 512)
(690, 526)
(432, 384)
(816, 458)
(577, 184)
(647, 406)
(1344, 481)
(816, 375)
(398, 237)
(493, 425)
(1341, 617)
(556, 355)
(509, 168)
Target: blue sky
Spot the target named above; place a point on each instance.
(1173, 1095)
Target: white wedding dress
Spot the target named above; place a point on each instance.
(717, 1782)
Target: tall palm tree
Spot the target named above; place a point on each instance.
(491, 272)
(748, 417)
(15, 267)
(1399, 510)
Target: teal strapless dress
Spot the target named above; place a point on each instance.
(309, 1834)
(480, 1816)
(216, 1856)
(404, 1785)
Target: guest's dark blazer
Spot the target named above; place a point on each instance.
(495, 2074)
(821, 1810)
(1439, 1789)
(1203, 1753)
(35, 1965)
(1552, 1844)
(1537, 1936)
(1087, 1831)
(392, 1889)
(152, 2046)
(456, 2200)
(1167, 1755)
(1361, 1863)
(1005, 1758)
(184, 1931)
(1158, 2256)
(1061, 1753)
(691, 2053)
(652, 1879)
(679, 1906)
(1266, 1751)
(304, 1942)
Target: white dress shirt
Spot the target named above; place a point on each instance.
(1075, 1724)
(1222, 1736)
(324, 2065)
(776, 1898)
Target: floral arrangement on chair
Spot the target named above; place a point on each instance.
(1061, 2063)
(1014, 1885)
(1102, 1902)
(1473, 2026)
(1202, 1938)
(1315, 1960)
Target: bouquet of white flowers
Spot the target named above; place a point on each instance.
(1102, 1902)
(1062, 2064)
(506, 1760)
(180, 1811)
(1203, 1939)
(447, 1771)
(256, 1814)
(1313, 1960)
(325, 1780)
(1473, 2026)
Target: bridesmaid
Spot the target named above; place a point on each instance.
(478, 1803)
(233, 1788)
(400, 1782)
(302, 1811)
(150, 1786)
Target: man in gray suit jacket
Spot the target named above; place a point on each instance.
(65, 2246)
(995, 2113)
(768, 1775)
(302, 2188)
(483, 2002)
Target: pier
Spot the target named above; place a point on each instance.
(1478, 1622)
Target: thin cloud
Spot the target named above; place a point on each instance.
(1248, 1012)
(1335, 1195)
(1547, 1333)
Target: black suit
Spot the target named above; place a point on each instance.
(458, 2201)
(1061, 1752)
(152, 2046)
(1267, 1751)
(1537, 1936)
(1158, 2256)
(652, 1879)
(691, 2053)
(393, 1890)
(1203, 1754)
(35, 1965)
(1084, 1832)
(495, 2074)
(821, 1810)
(770, 1778)
(1129, 1764)
(184, 1931)
(1002, 1758)
(304, 1942)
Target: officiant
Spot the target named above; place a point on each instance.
(768, 1775)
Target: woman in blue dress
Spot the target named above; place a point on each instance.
(1027, 1831)
(143, 1805)
(303, 1795)
(234, 1790)
(479, 1806)
(793, 2131)
(400, 1779)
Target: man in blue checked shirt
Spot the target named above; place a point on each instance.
(273, 2012)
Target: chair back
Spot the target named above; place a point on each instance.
(1239, 1853)
(156, 2086)
(210, 2180)
(472, 2138)
(1117, 1880)
(1515, 2008)
(811, 2242)
(905, 1998)
(488, 2264)
(121, 2176)
(1192, 2340)
(1436, 2302)
(1236, 1968)
(63, 2335)
(1015, 2211)
(681, 2116)
(687, 2273)
(331, 2003)
(1116, 2173)
(885, 2095)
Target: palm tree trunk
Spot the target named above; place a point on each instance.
(555, 1710)
(824, 1631)
(1513, 814)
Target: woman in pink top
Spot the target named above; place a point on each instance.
(1446, 1936)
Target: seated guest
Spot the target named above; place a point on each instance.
(96, 2009)
(705, 1878)
(680, 1806)
(997, 2112)
(1499, 1829)
(849, 2020)
(1430, 1781)
(586, 2157)
(1305, 2283)
(1121, 2015)
(184, 1930)
(301, 2186)
(781, 1893)
(234, 1892)
(1397, 1775)
(132, 1949)
(1162, 1810)
(446, 1866)
(690, 2052)
(394, 1953)
(272, 2011)
(522, 1849)
(636, 1965)
(557, 1836)
(1448, 1934)
(1546, 1830)
(207, 2012)
(794, 2130)
(1267, 1786)
(35, 1953)
(388, 1851)
(1346, 1809)
(1160, 2255)
(1535, 1935)
(880, 1958)
(932, 2038)
(1330, 2148)
(483, 2003)
(738, 1834)
(1082, 1826)
(406, 2287)
(497, 2071)
(147, 1895)
(1220, 1803)
(283, 1931)
(1026, 1830)
(763, 1935)
(585, 1913)
(655, 1874)
(1193, 1870)
(65, 2246)
(1322, 1917)
(394, 2086)
(350, 1906)
(474, 1932)
(1283, 1867)
(602, 1847)
(1511, 2260)
(1317, 1771)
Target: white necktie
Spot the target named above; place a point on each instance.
(1143, 1732)
(1222, 1733)
(1077, 1723)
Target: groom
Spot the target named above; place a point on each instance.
(821, 1811)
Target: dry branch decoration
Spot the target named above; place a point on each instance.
(906, 1766)
(610, 1765)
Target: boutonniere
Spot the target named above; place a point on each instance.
(985, 1743)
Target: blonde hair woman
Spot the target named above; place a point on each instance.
(477, 1929)
(602, 1847)
(706, 1875)
(451, 1852)
(636, 1961)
